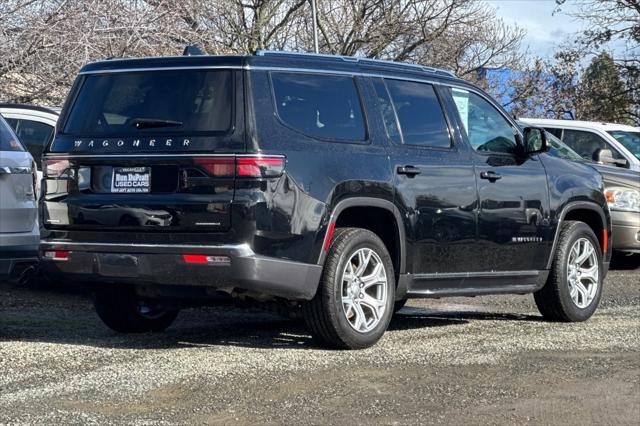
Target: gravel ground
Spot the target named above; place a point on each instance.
(485, 360)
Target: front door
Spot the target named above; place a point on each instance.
(513, 221)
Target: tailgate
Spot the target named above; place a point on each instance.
(161, 193)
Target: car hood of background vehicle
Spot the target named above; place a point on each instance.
(619, 177)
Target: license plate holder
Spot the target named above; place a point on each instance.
(131, 180)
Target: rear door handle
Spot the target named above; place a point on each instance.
(492, 176)
(408, 170)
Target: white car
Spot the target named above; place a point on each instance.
(34, 125)
(19, 232)
(592, 139)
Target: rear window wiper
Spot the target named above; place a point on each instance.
(148, 123)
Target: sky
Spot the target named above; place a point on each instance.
(546, 30)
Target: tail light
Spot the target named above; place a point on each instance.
(242, 167)
(55, 168)
(34, 177)
(217, 167)
(259, 167)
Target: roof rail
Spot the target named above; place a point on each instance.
(50, 110)
(358, 60)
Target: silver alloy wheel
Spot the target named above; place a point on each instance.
(364, 290)
(583, 273)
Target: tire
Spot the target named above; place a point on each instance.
(335, 322)
(123, 311)
(560, 299)
(399, 304)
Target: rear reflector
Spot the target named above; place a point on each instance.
(605, 242)
(327, 240)
(56, 255)
(206, 259)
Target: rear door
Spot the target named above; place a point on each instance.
(18, 211)
(434, 181)
(513, 221)
(147, 150)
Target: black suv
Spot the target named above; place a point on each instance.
(338, 186)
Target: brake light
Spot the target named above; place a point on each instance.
(259, 167)
(217, 166)
(55, 168)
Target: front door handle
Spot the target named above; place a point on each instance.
(408, 170)
(491, 176)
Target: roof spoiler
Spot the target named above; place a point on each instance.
(192, 50)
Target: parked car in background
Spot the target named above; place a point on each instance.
(19, 234)
(612, 145)
(622, 185)
(339, 186)
(34, 125)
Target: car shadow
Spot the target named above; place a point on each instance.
(67, 317)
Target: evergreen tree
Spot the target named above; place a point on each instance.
(602, 95)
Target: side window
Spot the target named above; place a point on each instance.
(33, 135)
(8, 140)
(555, 132)
(487, 129)
(322, 106)
(386, 109)
(587, 144)
(419, 113)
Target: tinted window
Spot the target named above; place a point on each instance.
(487, 129)
(319, 105)
(419, 113)
(559, 149)
(8, 141)
(555, 132)
(184, 102)
(34, 135)
(630, 140)
(587, 144)
(386, 109)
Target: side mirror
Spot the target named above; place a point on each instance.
(535, 140)
(605, 156)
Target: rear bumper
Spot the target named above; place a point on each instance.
(625, 231)
(150, 264)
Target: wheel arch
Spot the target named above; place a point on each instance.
(589, 213)
(349, 212)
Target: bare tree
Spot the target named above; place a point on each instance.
(43, 43)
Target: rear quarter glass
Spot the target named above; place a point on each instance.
(8, 140)
(152, 111)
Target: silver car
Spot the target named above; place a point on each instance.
(19, 232)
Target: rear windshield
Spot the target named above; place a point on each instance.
(137, 104)
(8, 141)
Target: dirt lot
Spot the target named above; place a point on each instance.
(486, 360)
